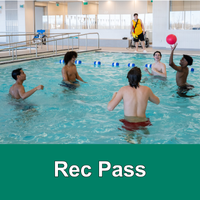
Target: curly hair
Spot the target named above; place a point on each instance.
(134, 77)
(69, 55)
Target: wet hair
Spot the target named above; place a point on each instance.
(69, 55)
(135, 14)
(16, 73)
(134, 77)
(157, 52)
(189, 59)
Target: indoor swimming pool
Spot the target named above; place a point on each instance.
(58, 115)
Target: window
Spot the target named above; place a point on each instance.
(184, 15)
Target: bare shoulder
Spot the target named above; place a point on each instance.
(124, 88)
(163, 64)
(19, 87)
(144, 87)
(64, 69)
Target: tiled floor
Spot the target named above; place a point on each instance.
(152, 50)
(25, 53)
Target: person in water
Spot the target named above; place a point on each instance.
(17, 90)
(69, 71)
(182, 72)
(158, 68)
(135, 97)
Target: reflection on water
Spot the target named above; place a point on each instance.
(135, 137)
(25, 111)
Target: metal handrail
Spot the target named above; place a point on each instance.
(38, 43)
(55, 42)
(58, 34)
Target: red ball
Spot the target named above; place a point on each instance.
(171, 39)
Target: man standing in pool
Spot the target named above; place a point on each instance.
(158, 68)
(17, 90)
(135, 97)
(182, 72)
(69, 71)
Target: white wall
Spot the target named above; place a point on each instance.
(38, 17)
(103, 33)
(74, 8)
(187, 39)
(21, 17)
(62, 9)
(29, 16)
(90, 9)
(123, 7)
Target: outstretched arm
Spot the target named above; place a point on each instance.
(79, 78)
(171, 62)
(25, 95)
(146, 70)
(117, 97)
(153, 98)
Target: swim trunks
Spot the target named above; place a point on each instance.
(140, 37)
(70, 86)
(184, 89)
(133, 126)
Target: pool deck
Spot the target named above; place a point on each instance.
(24, 55)
(151, 50)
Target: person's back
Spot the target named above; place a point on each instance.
(135, 97)
(135, 100)
(14, 91)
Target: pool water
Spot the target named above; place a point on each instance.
(57, 115)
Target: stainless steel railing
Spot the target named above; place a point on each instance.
(31, 40)
(50, 43)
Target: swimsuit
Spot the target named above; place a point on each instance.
(184, 89)
(133, 126)
(70, 86)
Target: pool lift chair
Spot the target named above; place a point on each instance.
(40, 34)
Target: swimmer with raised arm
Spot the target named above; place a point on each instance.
(69, 71)
(158, 68)
(17, 90)
(135, 97)
(182, 71)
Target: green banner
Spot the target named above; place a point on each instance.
(99, 172)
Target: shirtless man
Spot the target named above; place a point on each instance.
(135, 97)
(69, 71)
(158, 68)
(182, 72)
(17, 90)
